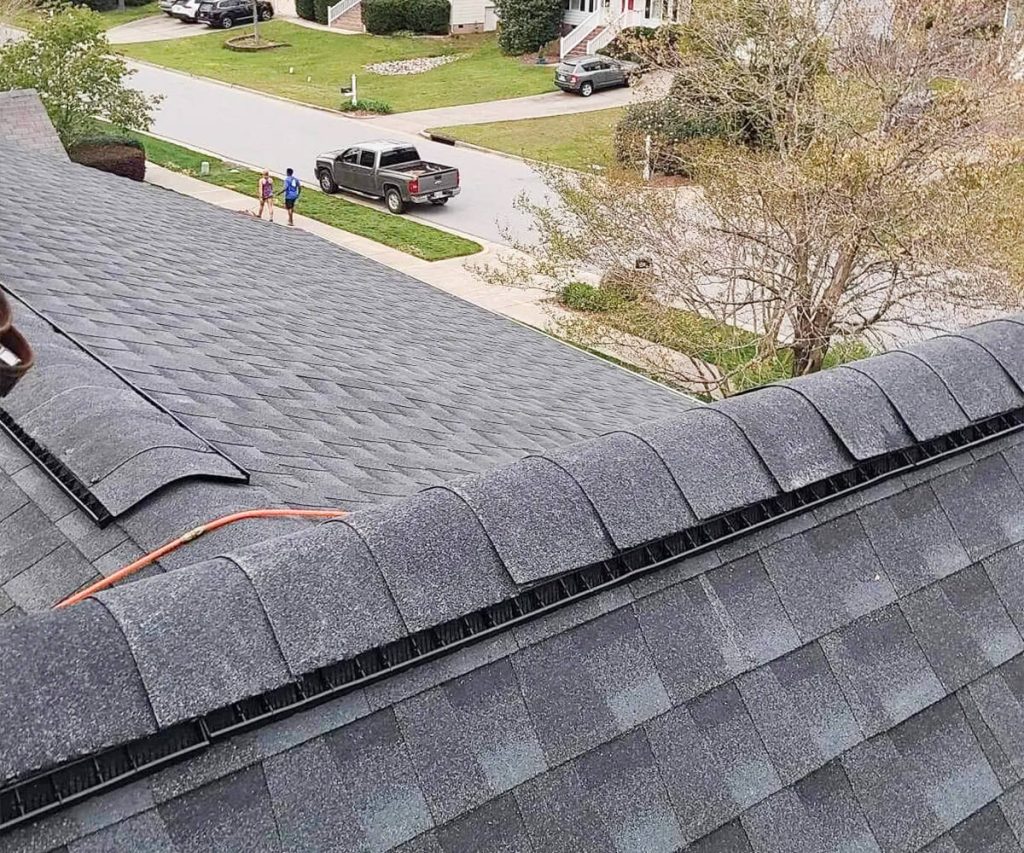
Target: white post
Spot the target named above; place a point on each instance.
(355, 97)
(647, 157)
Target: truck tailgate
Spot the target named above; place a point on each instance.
(432, 176)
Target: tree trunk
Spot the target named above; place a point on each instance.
(808, 357)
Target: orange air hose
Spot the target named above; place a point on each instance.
(192, 535)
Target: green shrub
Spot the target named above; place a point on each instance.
(585, 297)
(386, 17)
(119, 155)
(649, 46)
(305, 9)
(320, 8)
(527, 25)
(367, 105)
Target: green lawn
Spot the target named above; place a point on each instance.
(111, 19)
(408, 236)
(728, 347)
(578, 141)
(329, 60)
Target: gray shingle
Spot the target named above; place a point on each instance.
(691, 638)
(800, 712)
(819, 814)
(730, 838)
(62, 660)
(144, 832)
(702, 440)
(538, 519)
(856, 409)
(913, 539)
(1006, 571)
(984, 390)
(921, 778)
(1004, 340)
(794, 441)
(1011, 804)
(111, 807)
(470, 740)
(962, 626)
(323, 594)
(984, 832)
(827, 576)
(51, 580)
(217, 761)
(609, 799)
(712, 761)
(983, 501)
(586, 686)
(496, 827)
(1000, 701)
(296, 729)
(565, 618)
(26, 537)
(997, 758)
(918, 394)
(200, 637)
(629, 485)
(436, 558)
(882, 670)
(232, 814)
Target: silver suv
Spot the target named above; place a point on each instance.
(587, 74)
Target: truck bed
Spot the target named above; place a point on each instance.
(418, 168)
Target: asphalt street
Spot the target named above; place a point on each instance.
(274, 134)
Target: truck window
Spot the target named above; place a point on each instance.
(350, 156)
(397, 156)
(366, 158)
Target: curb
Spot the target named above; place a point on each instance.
(458, 143)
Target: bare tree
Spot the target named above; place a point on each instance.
(864, 178)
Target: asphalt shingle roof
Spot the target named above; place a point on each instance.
(845, 677)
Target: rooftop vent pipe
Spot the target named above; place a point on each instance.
(15, 353)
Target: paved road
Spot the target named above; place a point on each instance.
(274, 134)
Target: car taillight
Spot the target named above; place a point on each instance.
(574, 79)
(414, 186)
(458, 180)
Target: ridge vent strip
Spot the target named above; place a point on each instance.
(57, 787)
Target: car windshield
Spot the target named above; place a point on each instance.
(396, 156)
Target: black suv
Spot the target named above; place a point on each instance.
(227, 13)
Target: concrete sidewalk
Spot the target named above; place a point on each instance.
(529, 306)
(653, 86)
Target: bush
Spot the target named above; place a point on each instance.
(320, 8)
(527, 25)
(586, 297)
(386, 17)
(120, 155)
(648, 46)
(305, 9)
(367, 105)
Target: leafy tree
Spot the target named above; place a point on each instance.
(527, 25)
(863, 185)
(66, 58)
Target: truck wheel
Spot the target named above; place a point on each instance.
(393, 199)
(327, 182)
(266, 14)
(439, 202)
(587, 89)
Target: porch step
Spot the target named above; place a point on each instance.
(581, 48)
(352, 20)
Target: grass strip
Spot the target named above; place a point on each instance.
(413, 238)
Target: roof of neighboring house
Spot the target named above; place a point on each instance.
(788, 621)
(23, 121)
(192, 362)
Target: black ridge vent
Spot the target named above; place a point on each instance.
(57, 471)
(52, 789)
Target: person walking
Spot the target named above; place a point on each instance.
(266, 195)
(292, 191)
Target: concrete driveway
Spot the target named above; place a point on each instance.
(154, 28)
(267, 132)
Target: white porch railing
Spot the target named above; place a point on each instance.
(339, 9)
(575, 36)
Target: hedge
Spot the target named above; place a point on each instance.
(320, 8)
(120, 155)
(305, 9)
(429, 17)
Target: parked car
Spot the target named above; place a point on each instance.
(392, 171)
(186, 10)
(227, 13)
(586, 75)
(167, 5)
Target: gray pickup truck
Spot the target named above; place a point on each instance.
(392, 171)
